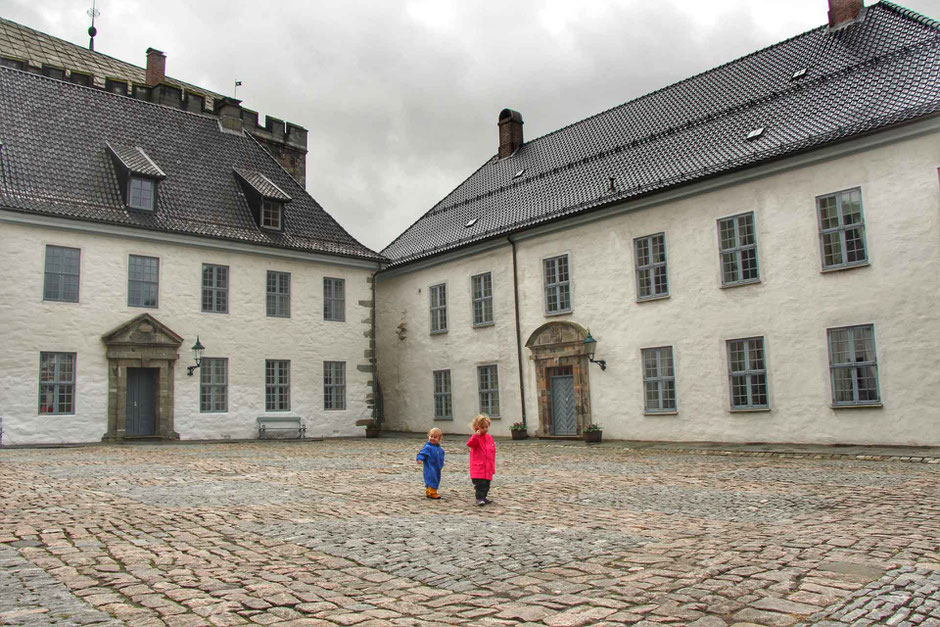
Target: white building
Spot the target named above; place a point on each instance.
(755, 250)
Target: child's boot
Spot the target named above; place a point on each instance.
(431, 493)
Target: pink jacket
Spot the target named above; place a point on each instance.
(482, 456)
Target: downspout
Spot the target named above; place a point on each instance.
(515, 290)
(375, 356)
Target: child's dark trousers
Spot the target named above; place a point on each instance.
(481, 487)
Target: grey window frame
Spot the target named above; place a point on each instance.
(749, 373)
(737, 252)
(58, 384)
(841, 230)
(62, 271)
(437, 308)
(334, 306)
(334, 385)
(489, 395)
(443, 395)
(136, 196)
(215, 293)
(557, 290)
(276, 385)
(854, 364)
(213, 385)
(482, 300)
(661, 379)
(140, 287)
(651, 267)
(274, 205)
(277, 302)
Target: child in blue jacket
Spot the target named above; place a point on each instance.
(432, 456)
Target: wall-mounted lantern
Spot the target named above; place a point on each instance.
(590, 345)
(198, 350)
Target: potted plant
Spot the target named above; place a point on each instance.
(372, 429)
(518, 431)
(592, 433)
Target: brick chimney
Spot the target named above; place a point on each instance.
(842, 12)
(156, 67)
(510, 132)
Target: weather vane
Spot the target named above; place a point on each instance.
(92, 31)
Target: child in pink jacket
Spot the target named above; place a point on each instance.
(482, 458)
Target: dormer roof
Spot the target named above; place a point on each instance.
(136, 161)
(262, 185)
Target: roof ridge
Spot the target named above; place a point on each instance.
(910, 14)
(666, 132)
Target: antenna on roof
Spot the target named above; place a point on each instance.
(92, 31)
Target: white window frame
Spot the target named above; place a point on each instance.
(272, 215)
(334, 385)
(662, 377)
(559, 288)
(489, 395)
(854, 364)
(735, 254)
(58, 384)
(140, 288)
(276, 385)
(277, 302)
(215, 279)
(749, 372)
(482, 299)
(651, 267)
(213, 385)
(437, 303)
(334, 299)
(443, 395)
(60, 276)
(141, 193)
(841, 229)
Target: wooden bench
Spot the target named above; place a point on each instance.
(268, 424)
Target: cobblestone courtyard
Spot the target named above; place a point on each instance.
(338, 532)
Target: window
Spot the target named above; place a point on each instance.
(651, 267)
(214, 288)
(738, 250)
(143, 280)
(276, 385)
(489, 390)
(438, 295)
(278, 294)
(853, 366)
(659, 380)
(334, 299)
(443, 409)
(334, 385)
(56, 383)
(842, 229)
(482, 287)
(557, 285)
(140, 193)
(271, 214)
(747, 372)
(213, 384)
(62, 272)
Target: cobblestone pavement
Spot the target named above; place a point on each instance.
(338, 532)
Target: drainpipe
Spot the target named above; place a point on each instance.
(375, 356)
(515, 290)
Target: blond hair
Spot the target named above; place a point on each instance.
(435, 431)
(479, 421)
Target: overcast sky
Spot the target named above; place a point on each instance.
(401, 97)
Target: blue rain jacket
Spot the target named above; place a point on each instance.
(433, 457)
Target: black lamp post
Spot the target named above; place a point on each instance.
(590, 345)
(198, 350)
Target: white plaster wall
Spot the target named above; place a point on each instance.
(406, 365)
(245, 335)
(791, 307)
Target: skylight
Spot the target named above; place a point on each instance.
(757, 132)
(800, 73)
(519, 173)
(470, 222)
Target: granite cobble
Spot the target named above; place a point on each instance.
(338, 532)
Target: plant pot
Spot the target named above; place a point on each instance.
(519, 435)
(593, 437)
(372, 432)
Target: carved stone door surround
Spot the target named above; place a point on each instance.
(559, 344)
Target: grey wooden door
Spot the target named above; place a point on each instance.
(563, 413)
(141, 392)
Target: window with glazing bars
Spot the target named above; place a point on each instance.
(334, 299)
(278, 294)
(659, 380)
(56, 383)
(61, 274)
(651, 279)
(213, 384)
(438, 294)
(143, 277)
(482, 288)
(214, 288)
(489, 390)
(140, 194)
(277, 385)
(443, 410)
(738, 250)
(853, 365)
(271, 214)
(334, 385)
(557, 285)
(842, 229)
(747, 373)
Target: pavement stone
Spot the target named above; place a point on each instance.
(338, 532)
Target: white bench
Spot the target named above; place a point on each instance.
(268, 424)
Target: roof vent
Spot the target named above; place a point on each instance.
(470, 222)
(519, 173)
(757, 132)
(800, 73)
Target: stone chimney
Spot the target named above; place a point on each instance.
(842, 12)
(510, 132)
(156, 67)
(230, 113)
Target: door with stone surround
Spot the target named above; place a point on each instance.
(141, 397)
(564, 416)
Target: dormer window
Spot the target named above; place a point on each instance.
(271, 214)
(137, 175)
(266, 201)
(141, 193)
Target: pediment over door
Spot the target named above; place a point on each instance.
(558, 337)
(143, 334)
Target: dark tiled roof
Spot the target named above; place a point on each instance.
(136, 161)
(54, 161)
(38, 48)
(882, 71)
(262, 185)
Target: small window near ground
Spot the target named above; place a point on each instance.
(143, 281)
(213, 384)
(334, 385)
(334, 299)
(214, 288)
(747, 373)
(443, 408)
(659, 380)
(57, 383)
(61, 274)
(738, 250)
(438, 295)
(277, 385)
(853, 366)
(842, 230)
(651, 278)
(557, 285)
(482, 289)
(278, 294)
(488, 380)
